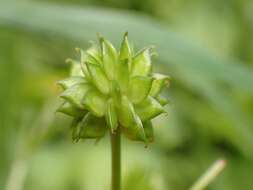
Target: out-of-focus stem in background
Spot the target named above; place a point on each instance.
(209, 175)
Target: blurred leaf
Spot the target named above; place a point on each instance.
(81, 25)
(185, 60)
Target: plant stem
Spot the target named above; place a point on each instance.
(116, 163)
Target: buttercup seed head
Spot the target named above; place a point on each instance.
(108, 89)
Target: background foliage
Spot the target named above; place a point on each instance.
(206, 46)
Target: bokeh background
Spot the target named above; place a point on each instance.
(207, 48)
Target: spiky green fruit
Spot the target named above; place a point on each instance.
(108, 89)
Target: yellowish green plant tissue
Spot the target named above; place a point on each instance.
(109, 89)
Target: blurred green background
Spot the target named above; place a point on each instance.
(207, 48)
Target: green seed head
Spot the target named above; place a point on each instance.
(108, 89)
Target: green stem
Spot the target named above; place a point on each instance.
(116, 165)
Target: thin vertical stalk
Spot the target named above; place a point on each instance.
(116, 160)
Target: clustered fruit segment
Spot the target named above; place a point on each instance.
(108, 89)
